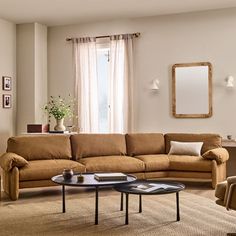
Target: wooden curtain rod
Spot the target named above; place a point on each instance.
(106, 36)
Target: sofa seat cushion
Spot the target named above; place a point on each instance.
(155, 162)
(220, 190)
(113, 164)
(189, 163)
(46, 169)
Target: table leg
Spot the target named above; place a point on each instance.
(121, 201)
(63, 199)
(127, 209)
(177, 206)
(140, 203)
(96, 206)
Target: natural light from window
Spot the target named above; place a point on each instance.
(103, 74)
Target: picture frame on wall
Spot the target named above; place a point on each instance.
(6, 101)
(6, 83)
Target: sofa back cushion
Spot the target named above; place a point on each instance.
(145, 143)
(210, 141)
(41, 147)
(92, 145)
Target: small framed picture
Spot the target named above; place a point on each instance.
(6, 83)
(6, 100)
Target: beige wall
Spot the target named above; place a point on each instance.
(31, 74)
(41, 90)
(7, 68)
(25, 75)
(164, 41)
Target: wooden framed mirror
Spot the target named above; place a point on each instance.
(192, 90)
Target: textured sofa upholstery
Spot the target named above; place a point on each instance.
(45, 169)
(158, 164)
(226, 193)
(92, 145)
(210, 141)
(31, 161)
(124, 164)
(41, 147)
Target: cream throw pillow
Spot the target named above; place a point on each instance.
(185, 148)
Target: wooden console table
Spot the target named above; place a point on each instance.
(228, 143)
(46, 133)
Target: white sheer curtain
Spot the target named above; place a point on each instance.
(86, 92)
(121, 83)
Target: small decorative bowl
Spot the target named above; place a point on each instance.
(67, 174)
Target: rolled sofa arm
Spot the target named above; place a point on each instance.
(221, 155)
(9, 160)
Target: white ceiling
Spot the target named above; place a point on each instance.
(62, 12)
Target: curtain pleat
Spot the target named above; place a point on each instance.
(86, 91)
(121, 84)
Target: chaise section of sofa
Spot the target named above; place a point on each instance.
(42, 157)
(206, 167)
(153, 150)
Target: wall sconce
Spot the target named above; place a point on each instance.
(155, 85)
(229, 81)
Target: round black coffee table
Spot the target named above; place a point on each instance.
(89, 181)
(159, 187)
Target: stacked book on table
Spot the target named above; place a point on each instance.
(110, 176)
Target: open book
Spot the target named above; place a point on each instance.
(148, 187)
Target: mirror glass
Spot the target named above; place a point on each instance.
(192, 90)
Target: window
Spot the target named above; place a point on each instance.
(103, 83)
(105, 75)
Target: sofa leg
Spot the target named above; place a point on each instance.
(14, 187)
(14, 197)
(11, 197)
(213, 184)
(11, 183)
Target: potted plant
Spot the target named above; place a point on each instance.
(59, 108)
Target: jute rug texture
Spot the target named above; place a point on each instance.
(199, 216)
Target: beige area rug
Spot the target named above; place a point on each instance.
(199, 216)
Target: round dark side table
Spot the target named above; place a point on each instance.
(131, 188)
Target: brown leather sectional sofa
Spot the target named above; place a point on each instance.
(31, 161)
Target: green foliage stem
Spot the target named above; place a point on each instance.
(59, 107)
